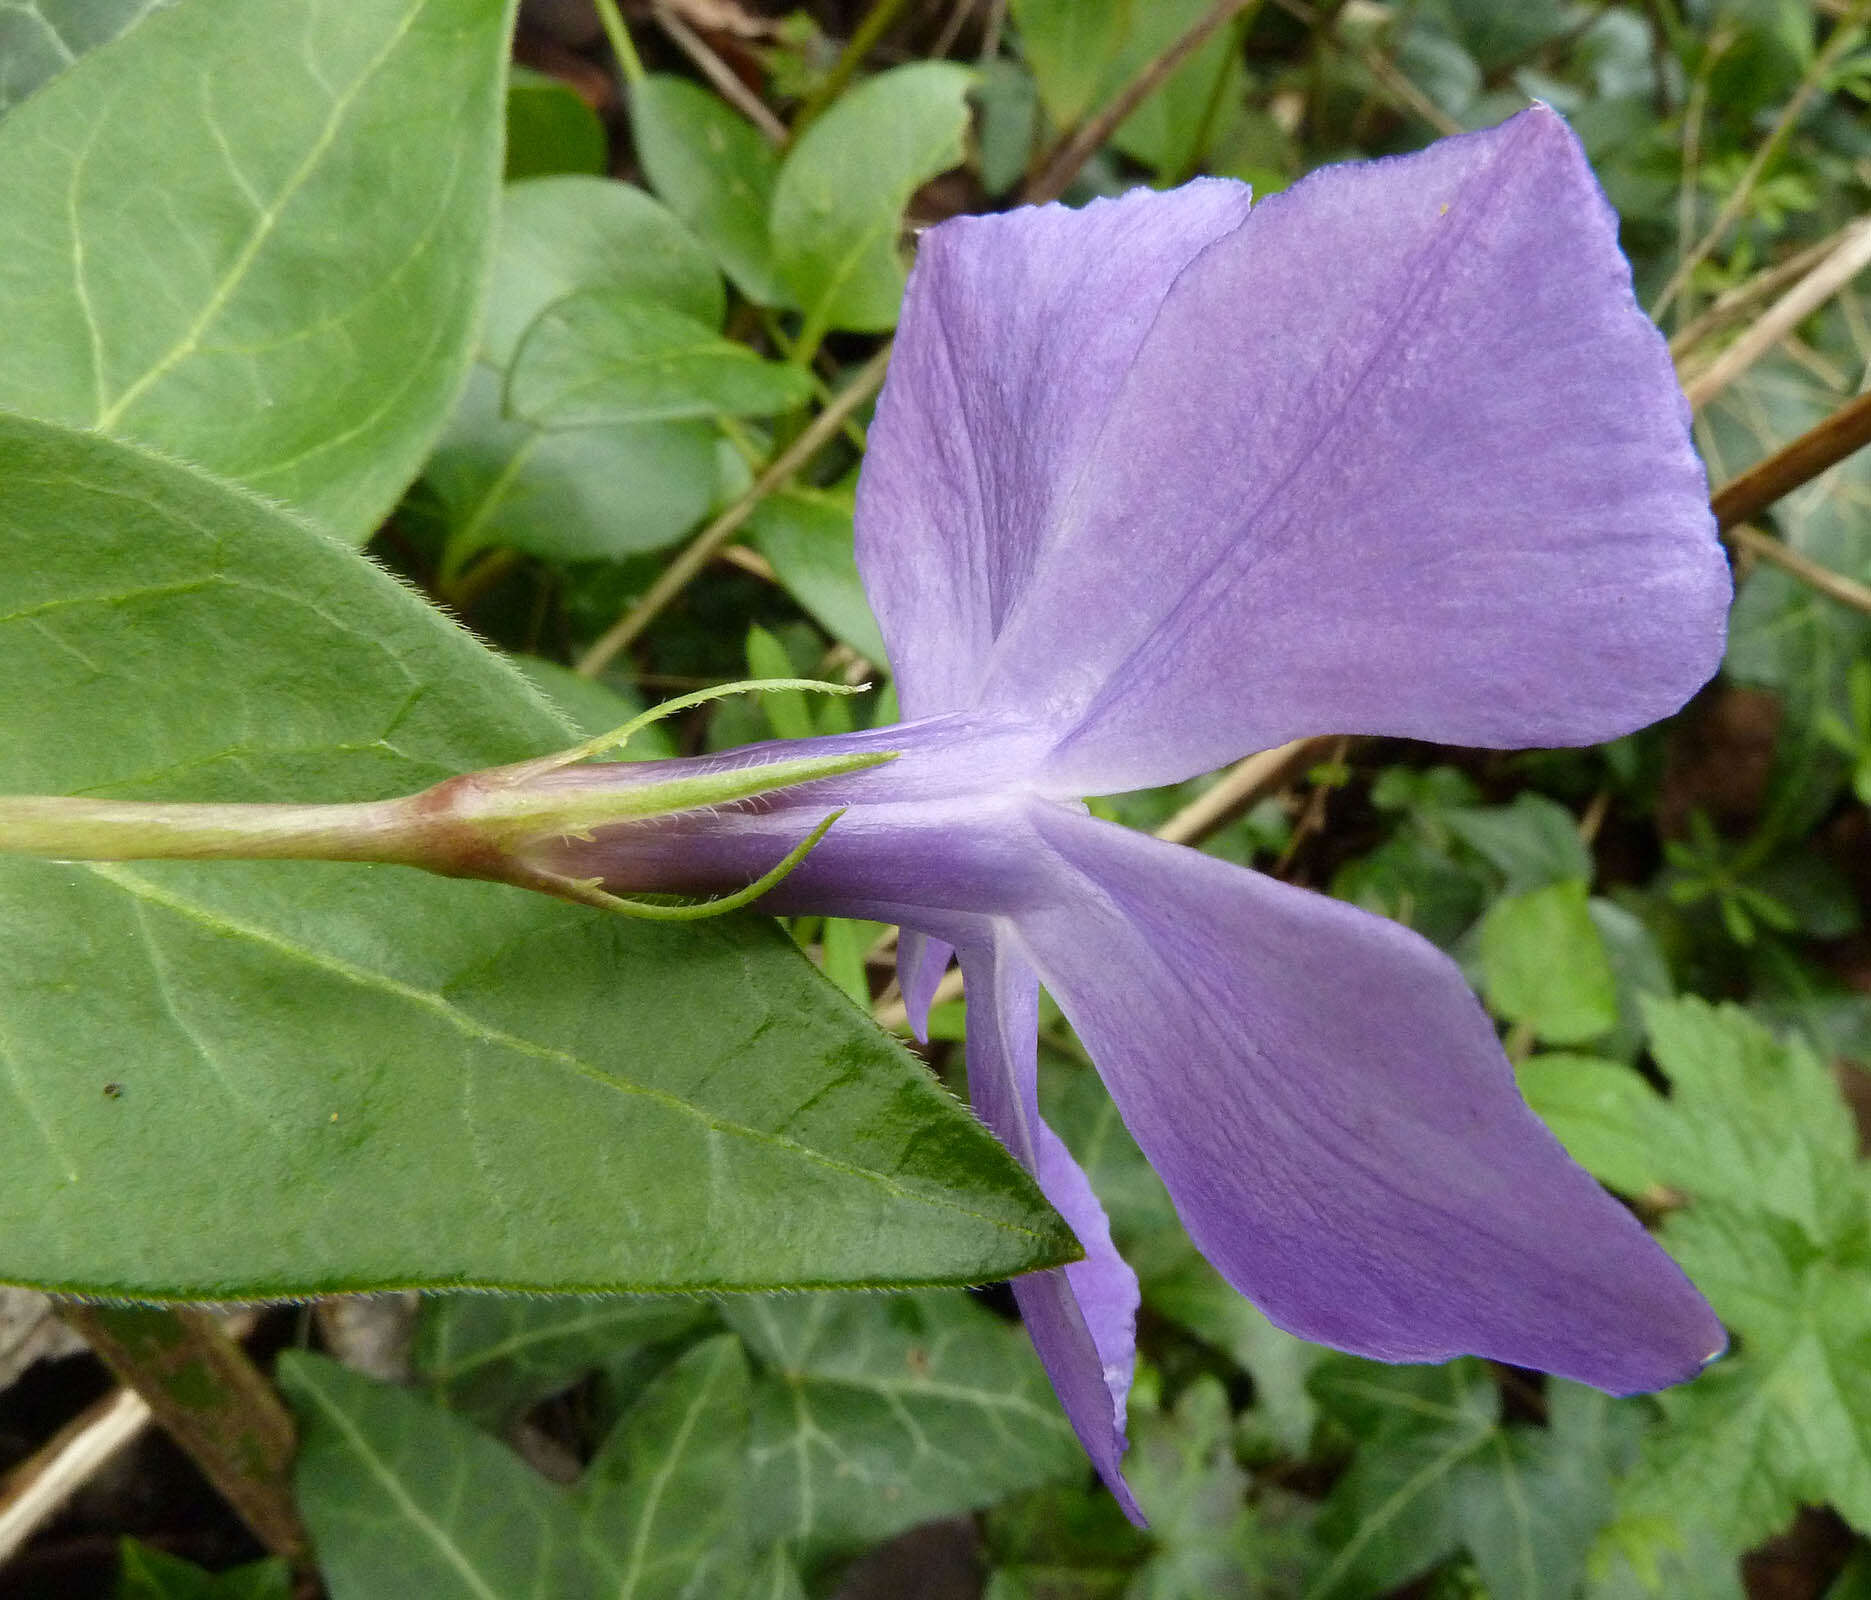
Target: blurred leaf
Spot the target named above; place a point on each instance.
(1602, 1112)
(661, 1503)
(1435, 1471)
(493, 1356)
(838, 204)
(343, 1077)
(148, 1574)
(402, 1498)
(550, 130)
(560, 235)
(594, 708)
(1064, 1542)
(39, 39)
(605, 356)
(292, 306)
(785, 709)
(1070, 46)
(1543, 964)
(873, 1414)
(1009, 102)
(774, 1578)
(806, 534)
(1638, 968)
(576, 494)
(714, 171)
(1534, 841)
(1677, 1559)
(1494, 33)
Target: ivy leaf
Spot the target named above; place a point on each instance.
(1436, 1472)
(288, 294)
(604, 356)
(493, 1356)
(330, 1077)
(714, 171)
(661, 1503)
(838, 204)
(872, 1415)
(39, 39)
(403, 1498)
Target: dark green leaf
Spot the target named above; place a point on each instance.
(333, 1077)
(1534, 841)
(872, 1414)
(492, 1356)
(148, 1574)
(661, 1504)
(287, 293)
(550, 130)
(402, 1498)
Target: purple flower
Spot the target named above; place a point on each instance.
(1164, 481)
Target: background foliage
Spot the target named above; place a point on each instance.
(526, 311)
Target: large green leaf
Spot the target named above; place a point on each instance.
(39, 39)
(661, 1503)
(716, 173)
(839, 201)
(806, 534)
(1544, 964)
(221, 239)
(875, 1414)
(329, 1077)
(402, 1498)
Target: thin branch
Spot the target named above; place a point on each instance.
(1834, 585)
(1737, 201)
(720, 74)
(702, 548)
(876, 24)
(1076, 149)
(1784, 315)
(629, 63)
(34, 1491)
(212, 1400)
(1392, 78)
(1820, 447)
(1733, 303)
(952, 26)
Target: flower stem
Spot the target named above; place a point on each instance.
(76, 829)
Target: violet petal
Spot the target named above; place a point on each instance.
(1397, 454)
(921, 962)
(1017, 331)
(1083, 1316)
(1337, 1125)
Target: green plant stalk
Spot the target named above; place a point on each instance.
(875, 25)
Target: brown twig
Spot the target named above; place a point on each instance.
(1820, 447)
(34, 1491)
(1844, 263)
(1062, 166)
(1834, 585)
(212, 1401)
(1733, 303)
(702, 548)
(720, 74)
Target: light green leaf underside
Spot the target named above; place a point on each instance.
(285, 294)
(329, 1077)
